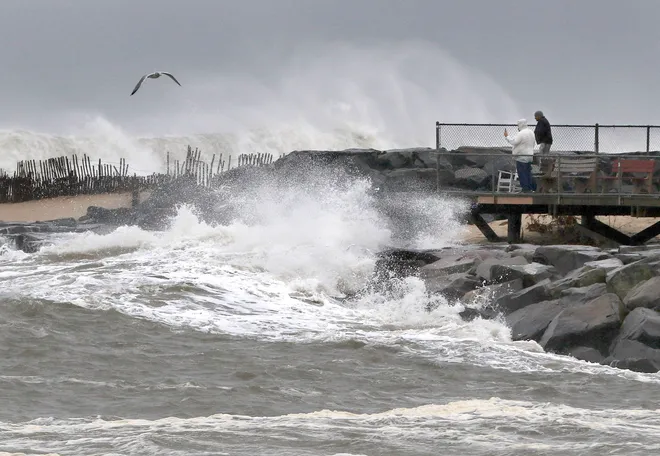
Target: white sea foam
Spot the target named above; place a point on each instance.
(480, 425)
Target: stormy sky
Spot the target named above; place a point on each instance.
(388, 62)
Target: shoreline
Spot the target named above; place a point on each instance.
(63, 207)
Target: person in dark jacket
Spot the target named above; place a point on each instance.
(543, 134)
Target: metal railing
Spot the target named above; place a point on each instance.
(575, 138)
(487, 171)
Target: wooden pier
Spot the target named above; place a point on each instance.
(610, 185)
(587, 207)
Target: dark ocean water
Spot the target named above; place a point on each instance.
(231, 340)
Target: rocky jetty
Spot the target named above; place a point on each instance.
(418, 170)
(596, 305)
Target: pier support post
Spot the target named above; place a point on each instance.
(514, 229)
(595, 229)
(477, 220)
(646, 234)
(599, 231)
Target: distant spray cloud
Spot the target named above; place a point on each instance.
(331, 96)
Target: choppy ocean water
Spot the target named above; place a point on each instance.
(208, 340)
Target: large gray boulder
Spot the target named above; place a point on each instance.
(483, 156)
(481, 255)
(584, 294)
(634, 355)
(631, 253)
(531, 274)
(641, 325)
(472, 179)
(567, 258)
(453, 286)
(451, 262)
(607, 265)
(636, 248)
(524, 250)
(496, 164)
(396, 159)
(490, 293)
(530, 322)
(29, 242)
(494, 270)
(594, 324)
(523, 298)
(399, 263)
(622, 280)
(416, 157)
(448, 265)
(645, 294)
(588, 354)
(628, 258)
(417, 179)
(582, 277)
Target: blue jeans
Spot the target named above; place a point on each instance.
(524, 170)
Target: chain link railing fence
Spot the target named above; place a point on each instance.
(566, 138)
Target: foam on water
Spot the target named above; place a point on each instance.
(480, 425)
(274, 277)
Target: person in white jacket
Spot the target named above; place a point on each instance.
(523, 152)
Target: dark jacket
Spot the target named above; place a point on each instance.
(543, 132)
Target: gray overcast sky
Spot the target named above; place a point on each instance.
(580, 61)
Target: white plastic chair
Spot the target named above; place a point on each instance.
(508, 182)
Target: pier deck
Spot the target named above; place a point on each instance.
(599, 170)
(586, 206)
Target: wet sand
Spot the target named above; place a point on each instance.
(62, 207)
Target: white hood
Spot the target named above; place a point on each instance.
(523, 143)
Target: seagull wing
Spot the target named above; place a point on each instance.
(170, 75)
(139, 84)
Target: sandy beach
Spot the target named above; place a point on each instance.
(626, 224)
(63, 207)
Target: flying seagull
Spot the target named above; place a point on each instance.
(154, 75)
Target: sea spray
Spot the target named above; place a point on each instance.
(332, 97)
(313, 236)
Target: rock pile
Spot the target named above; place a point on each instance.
(397, 170)
(597, 305)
